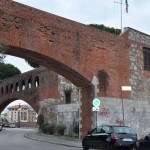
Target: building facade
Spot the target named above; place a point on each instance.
(21, 113)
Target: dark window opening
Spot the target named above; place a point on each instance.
(11, 88)
(36, 81)
(2, 90)
(17, 87)
(146, 52)
(23, 85)
(68, 97)
(7, 89)
(29, 83)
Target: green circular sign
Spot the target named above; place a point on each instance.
(96, 102)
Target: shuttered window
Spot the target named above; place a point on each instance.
(146, 52)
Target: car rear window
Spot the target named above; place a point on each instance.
(124, 130)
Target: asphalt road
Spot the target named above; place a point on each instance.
(13, 139)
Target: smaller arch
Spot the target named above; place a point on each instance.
(17, 87)
(29, 83)
(11, 88)
(23, 85)
(36, 82)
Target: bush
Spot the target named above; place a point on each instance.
(51, 128)
(40, 120)
(48, 128)
(60, 129)
(44, 127)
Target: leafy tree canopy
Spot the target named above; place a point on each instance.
(32, 64)
(3, 48)
(108, 29)
(8, 70)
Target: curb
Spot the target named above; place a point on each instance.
(47, 141)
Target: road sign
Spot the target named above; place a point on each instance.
(96, 102)
(95, 108)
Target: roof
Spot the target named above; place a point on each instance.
(17, 106)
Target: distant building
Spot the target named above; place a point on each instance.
(22, 113)
(32, 116)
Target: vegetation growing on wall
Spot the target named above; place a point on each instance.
(103, 80)
(107, 29)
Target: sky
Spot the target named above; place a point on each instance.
(107, 12)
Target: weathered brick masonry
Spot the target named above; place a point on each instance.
(74, 51)
(32, 87)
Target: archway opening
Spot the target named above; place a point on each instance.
(19, 114)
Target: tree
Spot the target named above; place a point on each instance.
(108, 29)
(32, 64)
(8, 70)
(3, 49)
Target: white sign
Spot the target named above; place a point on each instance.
(126, 88)
(96, 102)
(95, 108)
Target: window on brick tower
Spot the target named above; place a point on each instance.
(67, 97)
(146, 52)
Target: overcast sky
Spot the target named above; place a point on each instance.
(105, 12)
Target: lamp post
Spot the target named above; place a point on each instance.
(124, 88)
(19, 108)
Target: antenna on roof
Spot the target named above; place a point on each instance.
(121, 3)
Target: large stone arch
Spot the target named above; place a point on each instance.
(71, 49)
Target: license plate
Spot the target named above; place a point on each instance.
(127, 139)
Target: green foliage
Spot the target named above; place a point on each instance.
(32, 64)
(48, 128)
(108, 29)
(40, 121)
(3, 49)
(5, 120)
(8, 70)
(60, 129)
(103, 80)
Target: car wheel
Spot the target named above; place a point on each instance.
(133, 148)
(146, 138)
(85, 147)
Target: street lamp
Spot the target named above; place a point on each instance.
(19, 109)
(124, 88)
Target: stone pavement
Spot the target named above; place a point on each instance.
(70, 142)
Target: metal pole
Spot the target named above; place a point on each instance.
(96, 119)
(122, 107)
(122, 111)
(19, 117)
(121, 16)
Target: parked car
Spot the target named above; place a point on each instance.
(10, 125)
(0, 127)
(108, 137)
(147, 137)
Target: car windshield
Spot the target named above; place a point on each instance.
(124, 130)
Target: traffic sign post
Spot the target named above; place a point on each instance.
(95, 108)
(96, 104)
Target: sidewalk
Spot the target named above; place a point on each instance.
(35, 135)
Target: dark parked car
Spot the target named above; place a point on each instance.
(147, 137)
(107, 137)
